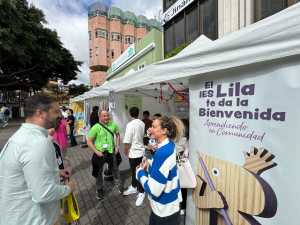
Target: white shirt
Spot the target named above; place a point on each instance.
(134, 135)
(30, 187)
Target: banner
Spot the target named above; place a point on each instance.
(244, 145)
(78, 109)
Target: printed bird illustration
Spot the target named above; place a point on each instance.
(230, 194)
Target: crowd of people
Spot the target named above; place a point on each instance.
(36, 173)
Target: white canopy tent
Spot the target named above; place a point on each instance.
(263, 57)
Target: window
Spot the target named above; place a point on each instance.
(91, 53)
(210, 19)
(90, 35)
(265, 8)
(192, 24)
(116, 36)
(140, 67)
(169, 38)
(101, 33)
(107, 53)
(129, 39)
(97, 51)
(179, 32)
(112, 54)
(201, 17)
(168, 4)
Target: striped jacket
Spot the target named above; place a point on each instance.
(161, 181)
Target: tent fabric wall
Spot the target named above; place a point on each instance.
(121, 116)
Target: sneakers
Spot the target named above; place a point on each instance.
(100, 195)
(140, 199)
(131, 190)
(182, 212)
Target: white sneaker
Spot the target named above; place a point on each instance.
(130, 190)
(182, 212)
(140, 199)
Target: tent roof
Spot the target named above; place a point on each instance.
(272, 38)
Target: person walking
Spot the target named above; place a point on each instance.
(134, 150)
(71, 123)
(101, 140)
(60, 136)
(30, 187)
(94, 117)
(148, 124)
(159, 176)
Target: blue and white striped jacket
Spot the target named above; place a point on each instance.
(161, 181)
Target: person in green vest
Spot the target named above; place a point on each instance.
(104, 140)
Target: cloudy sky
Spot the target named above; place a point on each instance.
(69, 19)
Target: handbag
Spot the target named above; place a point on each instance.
(187, 177)
(70, 208)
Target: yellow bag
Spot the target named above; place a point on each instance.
(70, 208)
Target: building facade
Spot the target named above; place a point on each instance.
(185, 20)
(146, 51)
(111, 31)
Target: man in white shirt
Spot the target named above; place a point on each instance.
(134, 150)
(30, 187)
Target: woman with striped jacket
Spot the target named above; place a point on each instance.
(159, 175)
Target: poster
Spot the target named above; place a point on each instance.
(78, 109)
(244, 140)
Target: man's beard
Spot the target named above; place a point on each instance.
(51, 123)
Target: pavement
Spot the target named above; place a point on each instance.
(115, 209)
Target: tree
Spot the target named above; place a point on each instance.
(75, 90)
(30, 54)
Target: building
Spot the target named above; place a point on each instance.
(140, 54)
(111, 31)
(185, 20)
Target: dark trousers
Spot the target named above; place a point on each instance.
(169, 220)
(184, 197)
(98, 162)
(134, 162)
(72, 138)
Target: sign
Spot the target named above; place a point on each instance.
(244, 137)
(176, 8)
(126, 55)
(78, 109)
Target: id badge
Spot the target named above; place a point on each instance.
(105, 146)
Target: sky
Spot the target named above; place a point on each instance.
(69, 19)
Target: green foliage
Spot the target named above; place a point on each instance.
(75, 90)
(30, 54)
(176, 50)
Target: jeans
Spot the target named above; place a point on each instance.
(72, 138)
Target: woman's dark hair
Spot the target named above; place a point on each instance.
(157, 115)
(71, 110)
(173, 125)
(146, 113)
(95, 109)
(37, 102)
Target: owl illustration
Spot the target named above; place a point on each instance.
(230, 194)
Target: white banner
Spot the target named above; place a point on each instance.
(246, 125)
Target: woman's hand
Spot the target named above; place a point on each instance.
(144, 164)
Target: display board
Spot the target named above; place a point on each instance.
(244, 139)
